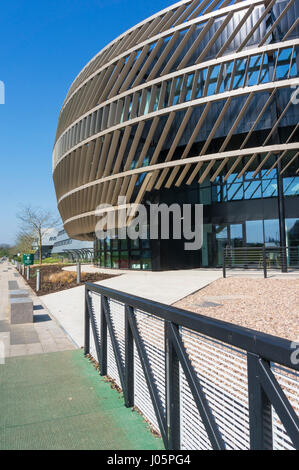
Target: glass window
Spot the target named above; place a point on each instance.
(189, 87)
(283, 64)
(252, 190)
(213, 80)
(146, 260)
(227, 76)
(135, 244)
(177, 90)
(239, 73)
(200, 82)
(114, 244)
(114, 259)
(147, 101)
(291, 186)
(107, 243)
(123, 259)
(145, 243)
(222, 242)
(293, 67)
(108, 259)
(102, 259)
(264, 78)
(272, 235)
(235, 191)
(269, 187)
(157, 98)
(292, 232)
(254, 233)
(253, 70)
(124, 244)
(135, 261)
(236, 235)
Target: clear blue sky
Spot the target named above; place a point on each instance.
(44, 45)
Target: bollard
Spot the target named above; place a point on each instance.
(23, 270)
(37, 280)
(265, 262)
(223, 264)
(28, 273)
(78, 272)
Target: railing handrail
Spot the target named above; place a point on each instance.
(260, 248)
(271, 348)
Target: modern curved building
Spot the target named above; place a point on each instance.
(196, 104)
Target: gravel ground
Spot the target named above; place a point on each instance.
(267, 305)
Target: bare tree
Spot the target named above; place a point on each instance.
(38, 222)
(24, 242)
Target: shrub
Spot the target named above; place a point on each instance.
(62, 277)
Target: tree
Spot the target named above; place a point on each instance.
(24, 242)
(4, 250)
(37, 222)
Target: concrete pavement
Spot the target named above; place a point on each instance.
(167, 287)
(42, 336)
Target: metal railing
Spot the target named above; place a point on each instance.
(262, 257)
(202, 383)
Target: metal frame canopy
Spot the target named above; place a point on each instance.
(192, 73)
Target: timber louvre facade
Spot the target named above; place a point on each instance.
(194, 104)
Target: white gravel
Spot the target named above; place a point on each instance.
(267, 305)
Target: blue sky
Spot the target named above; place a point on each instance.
(44, 45)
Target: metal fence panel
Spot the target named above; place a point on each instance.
(220, 371)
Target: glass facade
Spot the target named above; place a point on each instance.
(123, 254)
(247, 187)
(252, 233)
(246, 71)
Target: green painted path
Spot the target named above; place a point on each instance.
(59, 401)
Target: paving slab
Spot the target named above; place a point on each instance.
(27, 338)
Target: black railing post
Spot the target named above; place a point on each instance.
(284, 264)
(103, 355)
(86, 324)
(223, 264)
(260, 414)
(265, 262)
(129, 361)
(172, 384)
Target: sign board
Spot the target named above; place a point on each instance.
(28, 259)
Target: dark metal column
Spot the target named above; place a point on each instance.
(129, 360)
(281, 218)
(260, 413)
(172, 382)
(103, 355)
(86, 325)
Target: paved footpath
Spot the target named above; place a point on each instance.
(44, 335)
(167, 287)
(51, 396)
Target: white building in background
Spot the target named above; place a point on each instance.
(48, 241)
(70, 248)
